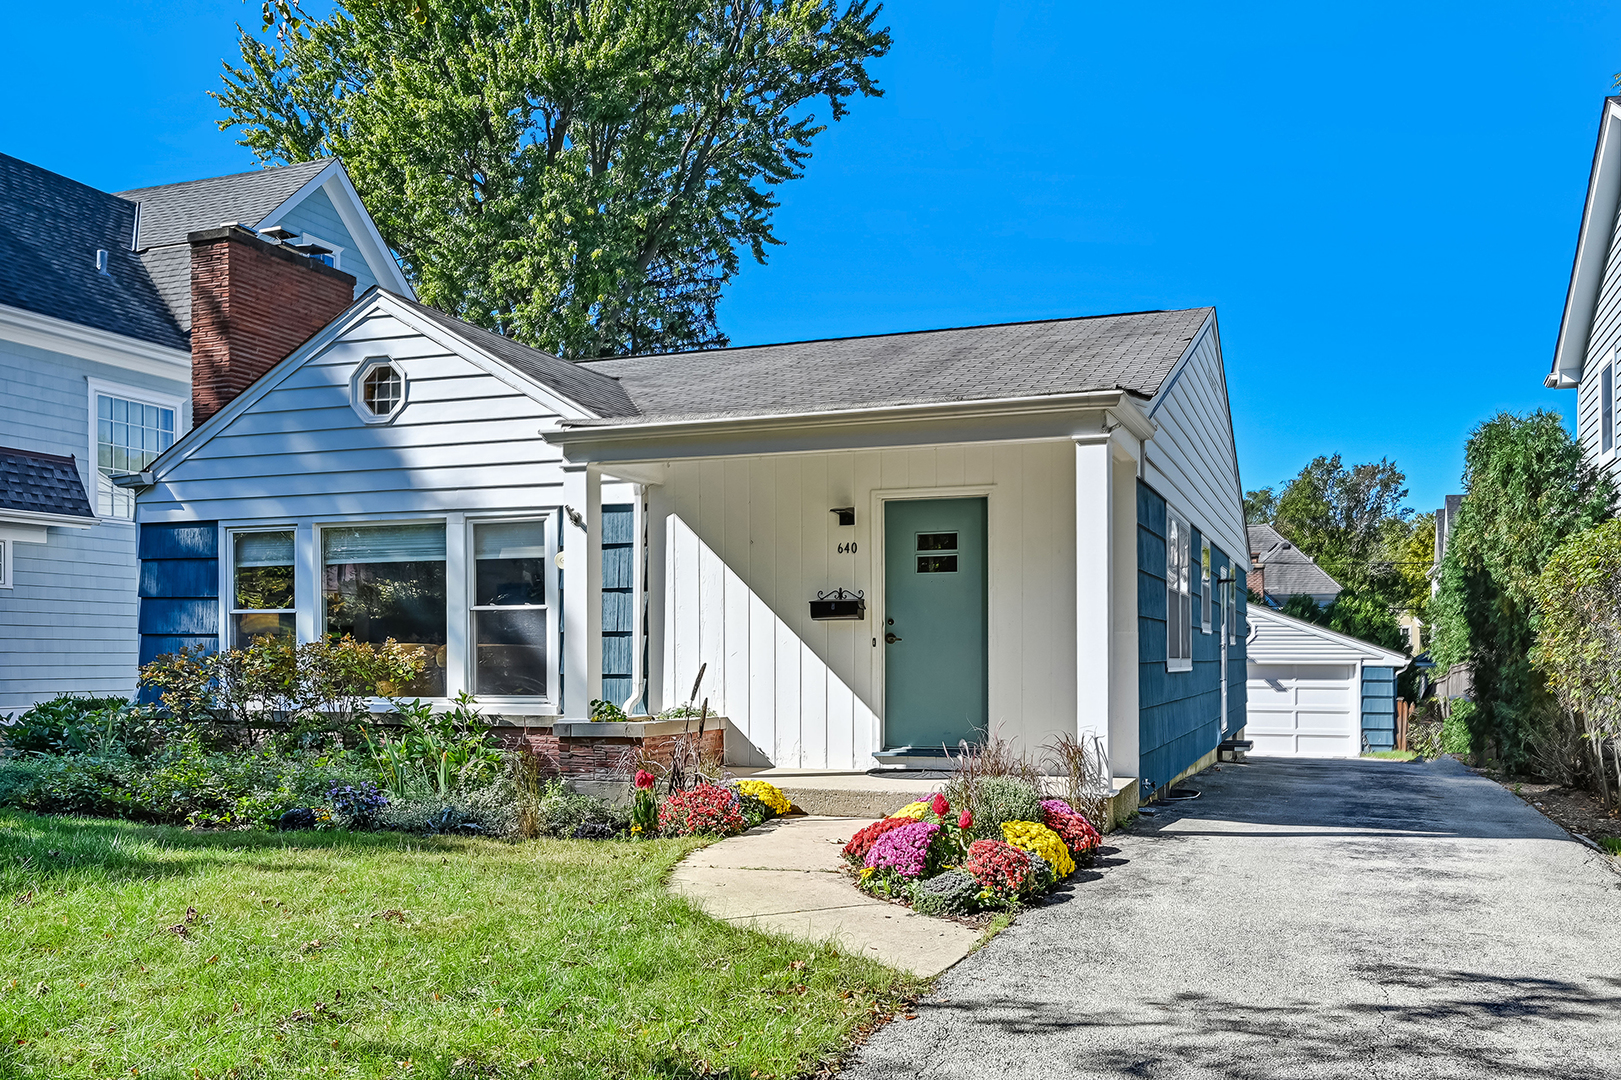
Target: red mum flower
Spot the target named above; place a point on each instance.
(862, 842)
(1001, 869)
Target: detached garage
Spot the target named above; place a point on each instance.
(1316, 693)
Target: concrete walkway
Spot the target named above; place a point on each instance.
(1363, 919)
(785, 877)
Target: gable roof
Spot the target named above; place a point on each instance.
(50, 230)
(170, 211)
(599, 393)
(1592, 252)
(37, 483)
(1134, 352)
(1276, 637)
(1287, 571)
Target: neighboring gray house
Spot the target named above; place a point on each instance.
(96, 306)
(1283, 570)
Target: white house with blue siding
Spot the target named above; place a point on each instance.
(96, 296)
(1042, 522)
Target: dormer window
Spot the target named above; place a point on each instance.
(379, 390)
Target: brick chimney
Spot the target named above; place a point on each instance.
(252, 304)
(1255, 580)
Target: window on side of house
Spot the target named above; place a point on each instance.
(509, 610)
(129, 434)
(5, 564)
(388, 581)
(1232, 607)
(1606, 409)
(1178, 602)
(262, 593)
(1207, 600)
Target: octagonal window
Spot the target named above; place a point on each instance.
(382, 390)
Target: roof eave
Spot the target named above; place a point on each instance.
(1592, 252)
(9, 516)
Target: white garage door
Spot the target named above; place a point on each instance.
(1304, 710)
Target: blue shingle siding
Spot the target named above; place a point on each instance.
(179, 587)
(1379, 708)
(1179, 717)
(618, 599)
(315, 214)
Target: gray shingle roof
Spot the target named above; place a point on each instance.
(50, 230)
(1286, 570)
(1133, 352)
(170, 211)
(41, 484)
(599, 393)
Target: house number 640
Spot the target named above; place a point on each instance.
(847, 549)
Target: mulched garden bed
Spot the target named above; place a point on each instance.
(1573, 809)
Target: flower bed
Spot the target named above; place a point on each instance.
(949, 862)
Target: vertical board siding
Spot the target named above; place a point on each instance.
(618, 601)
(750, 542)
(67, 624)
(1180, 711)
(317, 215)
(1379, 708)
(178, 588)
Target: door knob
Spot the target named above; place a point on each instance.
(890, 638)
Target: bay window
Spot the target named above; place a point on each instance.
(509, 610)
(388, 581)
(262, 594)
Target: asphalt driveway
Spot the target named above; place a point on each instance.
(1300, 919)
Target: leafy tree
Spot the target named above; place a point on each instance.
(1353, 614)
(1341, 518)
(1578, 639)
(1260, 506)
(576, 174)
(1414, 558)
(1527, 489)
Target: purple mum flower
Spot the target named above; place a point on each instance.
(904, 850)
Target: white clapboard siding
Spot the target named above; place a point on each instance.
(1191, 461)
(747, 543)
(1602, 342)
(464, 441)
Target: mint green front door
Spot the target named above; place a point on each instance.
(934, 622)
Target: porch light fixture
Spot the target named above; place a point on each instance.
(839, 605)
(847, 514)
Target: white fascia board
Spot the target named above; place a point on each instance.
(29, 525)
(356, 218)
(1366, 651)
(1592, 252)
(843, 428)
(89, 343)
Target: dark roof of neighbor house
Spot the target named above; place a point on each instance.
(170, 211)
(41, 484)
(50, 230)
(599, 393)
(1134, 352)
(1286, 570)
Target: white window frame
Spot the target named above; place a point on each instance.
(1230, 615)
(357, 389)
(1205, 595)
(92, 473)
(554, 640)
(5, 563)
(1178, 598)
(337, 251)
(228, 608)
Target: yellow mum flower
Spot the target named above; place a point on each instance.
(917, 811)
(1042, 841)
(767, 793)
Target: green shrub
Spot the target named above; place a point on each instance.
(488, 811)
(1455, 728)
(561, 811)
(953, 892)
(995, 799)
(443, 751)
(77, 724)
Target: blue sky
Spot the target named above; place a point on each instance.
(1381, 200)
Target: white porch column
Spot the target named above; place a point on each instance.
(582, 591)
(593, 585)
(458, 658)
(1106, 595)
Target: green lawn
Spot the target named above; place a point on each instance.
(1612, 844)
(1392, 755)
(138, 951)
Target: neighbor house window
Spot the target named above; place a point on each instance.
(388, 581)
(129, 434)
(1206, 598)
(1606, 410)
(262, 603)
(1178, 602)
(509, 609)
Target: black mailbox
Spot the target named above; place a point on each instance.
(839, 604)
